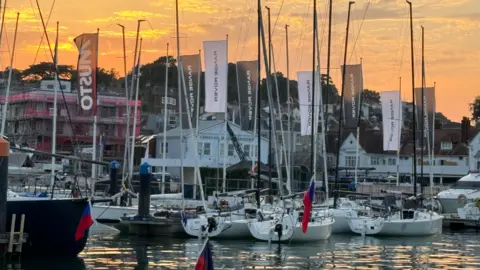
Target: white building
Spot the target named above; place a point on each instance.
(211, 142)
(474, 152)
(451, 157)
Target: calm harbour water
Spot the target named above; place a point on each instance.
(451, 250)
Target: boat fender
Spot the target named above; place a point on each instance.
(279, 230)
(462, 199)
(212, 224)
(477, 202)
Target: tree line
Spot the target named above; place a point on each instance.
(153, 74)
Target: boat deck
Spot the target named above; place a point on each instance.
(453, 220)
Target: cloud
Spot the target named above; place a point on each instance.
(127, 15)
(190, 6)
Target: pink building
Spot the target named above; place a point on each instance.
(30, 113)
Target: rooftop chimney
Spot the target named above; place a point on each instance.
(465, 129)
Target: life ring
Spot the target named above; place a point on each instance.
(462, 200)
(477, 202)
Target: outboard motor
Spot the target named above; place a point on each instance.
(212, 224)
(279, 230)
(199, 209)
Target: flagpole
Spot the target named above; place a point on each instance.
(9, 82)
(164, 143)
(54, 117)
(95, 100)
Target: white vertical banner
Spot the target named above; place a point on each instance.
(392, 119)
(304, 79)
(216, 72)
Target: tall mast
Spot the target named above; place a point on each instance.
(130, 164)
(179, 89)
(270, 110)
(413, 103)
(127, 102)
(3, 19)
(259, 25)
(9, 82)
(330, 6)
(422, 122)
(289, 104)
(54, 118)
(164, 143)
(400, 108)
(312, 137)
(339, 136)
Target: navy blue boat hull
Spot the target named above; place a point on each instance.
(50, 224)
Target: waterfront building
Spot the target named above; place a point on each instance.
(30, 113)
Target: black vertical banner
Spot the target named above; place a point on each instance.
(353, 90)
(190, 65)
(247, 78)
(427, 120)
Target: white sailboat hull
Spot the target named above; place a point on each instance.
(423, 224)
(193, 227)
(264, 230)
(316, 231)
(107, 212)
(341, 217)
(412, 227)
(366, 225)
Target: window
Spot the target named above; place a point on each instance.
(478, 165)
(350, 161)
(446, 145)
(392, 161)
(206, 149)
(172, 120)
(40, 106)
(231, 150)
(246, 149)
(221, 147)
(203, 149)
(331, 160)
(170, 101)
(375, 161)
(253, 151)
(166, 148)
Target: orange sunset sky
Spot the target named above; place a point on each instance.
(382, 39)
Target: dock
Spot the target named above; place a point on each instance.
(454, 221)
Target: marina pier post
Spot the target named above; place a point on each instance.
(144, 192)
(4, 152)
(114, 166)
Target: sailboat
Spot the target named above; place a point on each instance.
(408, 220)
(51, 224)
(284, 225)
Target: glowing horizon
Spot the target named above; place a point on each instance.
(451, 42)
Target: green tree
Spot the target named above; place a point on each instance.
(45, 71)
(370, 97)
(104, 77)
(475, 109)
(282, 88)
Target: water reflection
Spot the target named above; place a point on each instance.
(450, 250)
